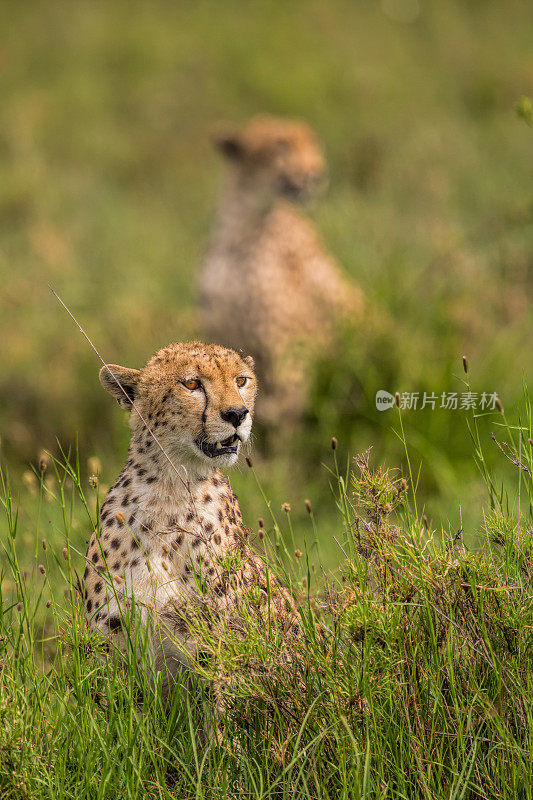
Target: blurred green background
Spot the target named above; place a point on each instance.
(108, 185)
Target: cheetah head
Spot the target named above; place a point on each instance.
(276, 157)
(197, 400)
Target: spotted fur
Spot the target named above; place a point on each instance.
(171, 536)
(268, 285)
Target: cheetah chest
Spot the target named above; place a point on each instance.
(163, 553)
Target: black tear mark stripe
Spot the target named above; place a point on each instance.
(204, 412)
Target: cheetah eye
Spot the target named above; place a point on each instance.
(192, 384)
(242, 381)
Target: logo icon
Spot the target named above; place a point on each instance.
(384, 400)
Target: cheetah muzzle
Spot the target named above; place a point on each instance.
(229, 446)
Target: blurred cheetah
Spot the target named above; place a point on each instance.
(267, 285)
(171, 537)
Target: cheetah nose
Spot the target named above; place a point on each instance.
(234, 415)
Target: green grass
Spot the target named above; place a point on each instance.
(413, 679)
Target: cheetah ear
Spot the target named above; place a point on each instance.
(120, 382)
(229, 143)
(249, 360)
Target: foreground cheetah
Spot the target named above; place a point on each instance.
(171, 538)
(267, 284)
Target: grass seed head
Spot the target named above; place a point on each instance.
(120, 518)
(465, 364)
(42, 569)
(309, 507)
(249, 462)
(334, 443)
(286, 508)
